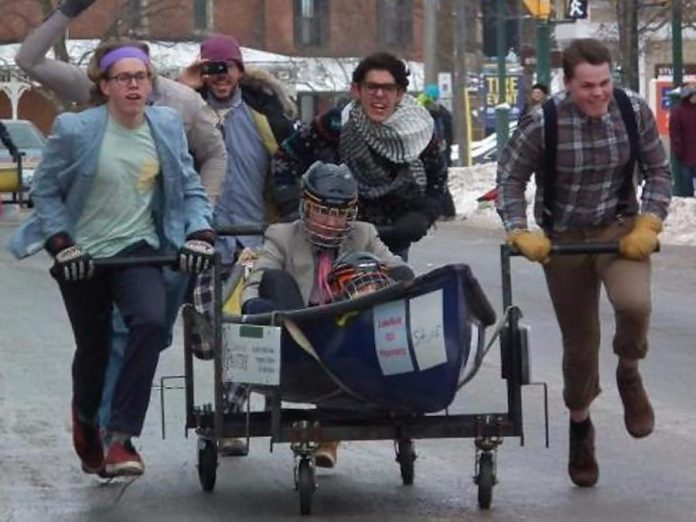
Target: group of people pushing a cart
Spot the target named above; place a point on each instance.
(153, 165)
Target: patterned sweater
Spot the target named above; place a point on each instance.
(319, 141)
(590, 161)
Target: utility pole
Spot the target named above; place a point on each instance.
(502, 111)
(543, 52)
(627, 14)
(459, 92)
(430, 40)
(678, 187)
(541, 12)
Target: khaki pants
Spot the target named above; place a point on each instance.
(574, 285)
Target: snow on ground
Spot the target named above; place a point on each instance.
(468, 183)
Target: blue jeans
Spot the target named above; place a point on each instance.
(139, 293)
(175, 285)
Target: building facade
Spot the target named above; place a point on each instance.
(318, 28)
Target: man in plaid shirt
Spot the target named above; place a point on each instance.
(587, 201)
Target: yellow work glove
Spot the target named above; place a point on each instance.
(535, 246)
(640, 242)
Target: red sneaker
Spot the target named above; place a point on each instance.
(87, 443)
(123, 460)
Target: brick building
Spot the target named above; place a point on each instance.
(326, 28)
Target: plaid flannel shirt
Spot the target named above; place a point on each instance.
(234, 394)
(590, 160)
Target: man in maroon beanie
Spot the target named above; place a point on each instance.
(254, 115)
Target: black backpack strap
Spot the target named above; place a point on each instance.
(550, 146)
(626, 197)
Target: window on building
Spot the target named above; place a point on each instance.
(395, 23)
(202, 10)
(311, 23)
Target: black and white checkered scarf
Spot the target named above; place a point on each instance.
(400, 140)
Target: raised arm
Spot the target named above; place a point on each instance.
(67, 80)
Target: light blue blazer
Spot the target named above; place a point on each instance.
(63, 179)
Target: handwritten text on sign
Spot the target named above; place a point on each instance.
(427, 330)
(251, 354)
(391, 341)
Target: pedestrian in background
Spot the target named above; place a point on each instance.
(682, 134)
(537, 97)
(430, 99)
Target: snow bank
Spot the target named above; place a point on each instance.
(468, 183)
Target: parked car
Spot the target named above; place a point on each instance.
(483, 151)
(30, 141)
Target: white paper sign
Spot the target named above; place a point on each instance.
(391, 341)
(427, 330)
(251, 354)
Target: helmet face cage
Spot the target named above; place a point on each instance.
(327, 225)
(348, 281)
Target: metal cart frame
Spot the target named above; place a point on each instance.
(304, 428)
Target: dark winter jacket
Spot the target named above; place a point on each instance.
(443, 126)
(319, 141)
(682, 132)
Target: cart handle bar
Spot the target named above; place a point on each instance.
(576, 248)
(258, 230)
(241, 230)
(572, 248)
(153, 260)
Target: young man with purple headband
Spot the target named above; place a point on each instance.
(116, 180)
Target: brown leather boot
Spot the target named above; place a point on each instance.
(639, 416)
(326, 454)
(582, 465)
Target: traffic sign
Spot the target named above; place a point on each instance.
(538, 8)
(577, 9)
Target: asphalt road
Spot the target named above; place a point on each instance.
(645, 480)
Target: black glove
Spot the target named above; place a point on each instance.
(288, 202)
(73, 8)
(71, 263)
(412, 226)
(15, 155)
(196, 255)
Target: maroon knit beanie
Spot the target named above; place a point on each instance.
(222, 48)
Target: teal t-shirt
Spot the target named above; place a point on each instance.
(118, 210)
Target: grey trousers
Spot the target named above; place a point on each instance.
(574, 286)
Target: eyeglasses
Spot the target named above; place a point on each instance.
(387, 88)
(126, 79)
